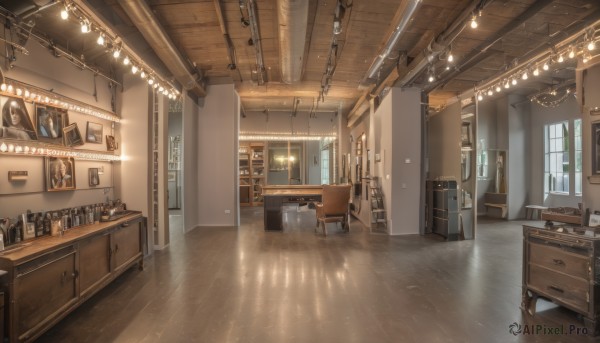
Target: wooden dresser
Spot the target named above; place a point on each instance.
(562, 264)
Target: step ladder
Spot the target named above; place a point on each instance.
(378, 217)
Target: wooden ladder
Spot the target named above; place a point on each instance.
(378, 216)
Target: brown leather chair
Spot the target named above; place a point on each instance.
(334, 206)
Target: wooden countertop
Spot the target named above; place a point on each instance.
(37, 246)
(292, 190)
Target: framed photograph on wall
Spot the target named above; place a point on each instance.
(94, 177)
(111, 144)
(16, 122)
(60, 174)
(72, 135)
(49, 123)
(93, 133)
(596, 148)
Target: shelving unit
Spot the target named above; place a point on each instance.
(257, 171)
(244, 170)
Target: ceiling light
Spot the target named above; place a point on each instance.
(126, 60)
(545, 66)
(117, 53)
(498, 89)
(64, 13)
(85, 27)
(143, 75)
(479, 97)
(134, 69)
(337, 26)
(155, 85)
(161, 88)
(150, 81)
(3, 87)
(450, 57)
(474, 22)
(514, 82)
(490, 92)
(431, 78)
(100, 40)
(591, 46)
(572, 53)
(524, 76)
(165, 92)
(506, 85)
(585, 58)
(536, 71)
(561, 59)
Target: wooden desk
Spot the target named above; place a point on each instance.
(275, 196)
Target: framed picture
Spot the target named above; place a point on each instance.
(94, 177)
(596, 148)
(60, 173)
(465, 134)
(72, 135)
(16, 122)
(49, 123)
(111, 145)
(93, 133)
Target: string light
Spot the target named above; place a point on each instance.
(126, 60)
(591, 46)
(498, 89)
(545, 66)
(64, 13)
(536, 72)
(525, 76)
(514, 82)
(134, 69)
(85, 26)
(283, 137)
(117, 53)
(474, 22)
(561, 59)
(100, 40)
(490, 92)
(572, 52)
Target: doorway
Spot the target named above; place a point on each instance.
(174, 169)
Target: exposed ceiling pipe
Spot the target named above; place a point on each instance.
(260, 62)
(142, 17)
(439, 44)
(230, 47)
(488, 43)
(293, 20)
(410, 10)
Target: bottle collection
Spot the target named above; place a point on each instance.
(37, 224)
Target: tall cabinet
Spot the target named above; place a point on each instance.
(252, 170)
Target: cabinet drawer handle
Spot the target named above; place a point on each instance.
(555, 288)
(558, 262)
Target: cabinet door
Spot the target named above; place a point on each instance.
(127, 244)
(44, 288)
(94, 263)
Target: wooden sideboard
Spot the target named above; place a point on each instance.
(562, 264)
(276, 195)
(50, 276)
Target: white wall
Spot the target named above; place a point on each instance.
(217, 157)
(190, 184)
(518, 155)
(588, 78)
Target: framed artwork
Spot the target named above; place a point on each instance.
(72, 135)
(465, 134)
(16, 122)
(111, 145)
(596, 148)
(60, 173)
(49, 123)
(94, 177)
(93, 133)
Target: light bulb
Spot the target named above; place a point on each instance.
(490, 92)
(507, 85)
(545, 66)
(64, 14)
(514, 82)
(134, 69)
(536, 72)
(450, 57)
(161, 88)
(143, 75)
(100, 40)
(3, 87)
(3, 147)
(165, 92)
(155, 85)
(498, 89)
(561, 59)
(27, 94)
(150, 81)
(479, 97)
(431, 78)
(85, 28)
(170, 96)
(525, 76)
(474, 22)
(591, 46)
(117, 53)
(585, 59)
(126, 60)
(19, 91)
(572, 53)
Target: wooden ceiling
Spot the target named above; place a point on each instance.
(198, 33)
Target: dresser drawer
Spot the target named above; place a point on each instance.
(560, 260)
(564, 288)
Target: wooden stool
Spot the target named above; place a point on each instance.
(534, 211)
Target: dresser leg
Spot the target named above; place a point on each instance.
(592, 326)
(528, 302)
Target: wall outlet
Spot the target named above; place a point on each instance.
(227, 211)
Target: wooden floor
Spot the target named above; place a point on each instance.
(248, 285)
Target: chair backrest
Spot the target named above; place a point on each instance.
(335, 198)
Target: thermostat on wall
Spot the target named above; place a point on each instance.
(17, 175)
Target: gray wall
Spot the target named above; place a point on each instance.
(313, 170)
(217, 157)
(444, 143)
(518, 156)
(190, 165)
(589, 79)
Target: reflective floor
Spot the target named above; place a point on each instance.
(248, 285)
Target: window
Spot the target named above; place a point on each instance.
(559, 169)
(325, 166)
